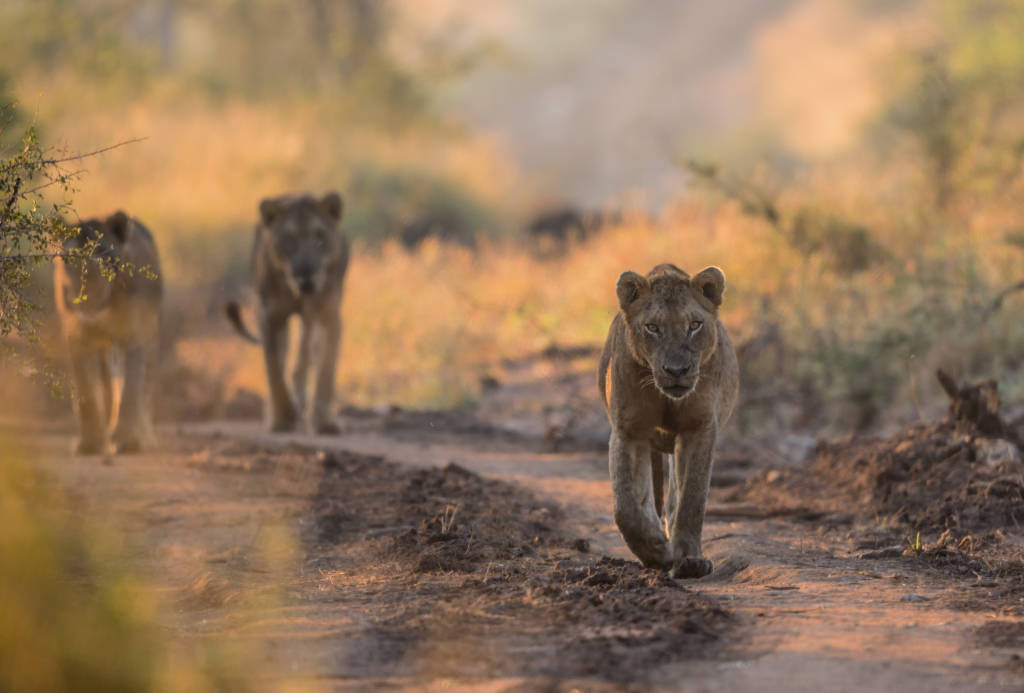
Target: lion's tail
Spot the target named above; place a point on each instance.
(234, 313)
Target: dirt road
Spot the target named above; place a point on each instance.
(431, 552)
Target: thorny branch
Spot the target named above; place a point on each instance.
(77, 157)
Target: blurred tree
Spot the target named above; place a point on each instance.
(963, 103)
(263, 49)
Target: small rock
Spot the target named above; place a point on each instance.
(911, 597)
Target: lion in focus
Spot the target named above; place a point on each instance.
(299, 260)
(110, 306)
(669, 379)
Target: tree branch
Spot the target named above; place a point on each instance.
(76, 157)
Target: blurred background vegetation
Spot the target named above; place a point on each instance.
(854, 167)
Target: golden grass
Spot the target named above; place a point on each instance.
(421, 329)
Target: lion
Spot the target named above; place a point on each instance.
(110, 306)
(669, 380)
(299, 259)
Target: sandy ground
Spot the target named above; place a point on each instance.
(434, 552)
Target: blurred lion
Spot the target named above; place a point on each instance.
(669, 380)
(299, 259)
(110, 304)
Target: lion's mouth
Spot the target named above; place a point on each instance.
(676, 390)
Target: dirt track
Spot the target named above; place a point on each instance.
(372, 562)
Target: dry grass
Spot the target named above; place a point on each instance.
(421, 329)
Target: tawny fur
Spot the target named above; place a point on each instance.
(299, 259)
(102, 319)
(669, 380)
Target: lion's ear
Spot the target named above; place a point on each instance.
(333, 205)
(270, 209)
(120, 225)
(630, 287)
(710, 283)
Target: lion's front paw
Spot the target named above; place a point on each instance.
(127, 441)
(284, 425)
(90, 446)
(327, 428)
(656, 563)
(128, 446)
(692, 567)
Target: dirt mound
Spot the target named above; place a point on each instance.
(928, 476)
(488, 568)
(964, 474)
(463, 520)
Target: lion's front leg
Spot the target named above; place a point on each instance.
(635, 514)
(274, 333)
(92, 419)
(692, 461)
(323, 397)
(129, 432)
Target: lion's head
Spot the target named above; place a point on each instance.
(88, 287)
(671, 323)
(303, 238)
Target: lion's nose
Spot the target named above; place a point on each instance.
(677, 370)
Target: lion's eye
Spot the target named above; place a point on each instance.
(695, 325)
(652, 328)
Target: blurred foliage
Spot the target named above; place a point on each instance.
(383, 203)
(846, 246)
(258, 49)
(247, 98)
(70, 619)
(959, 99)
(31, 229)
(12, 118)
